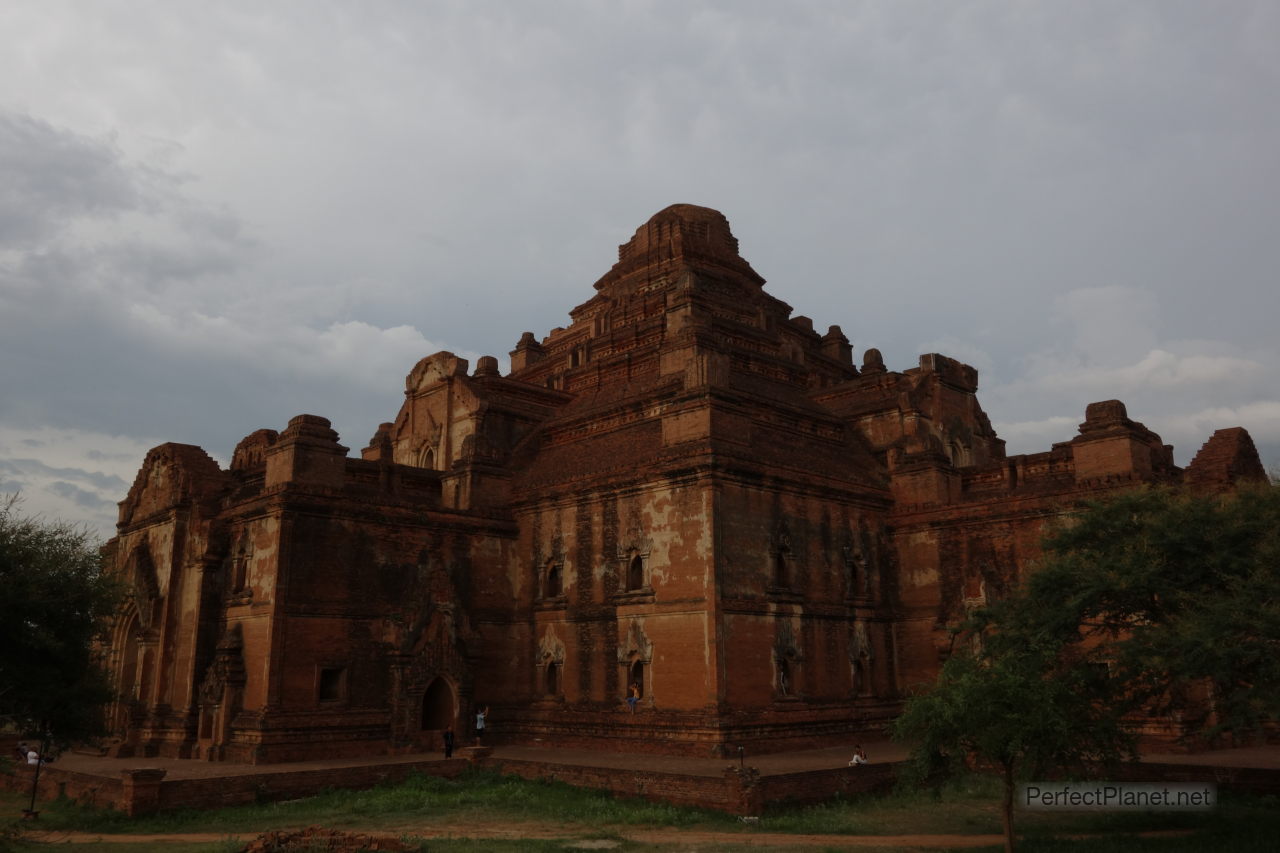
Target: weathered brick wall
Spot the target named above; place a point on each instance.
(208, 793)
(55, 782)
(818, 786)
(1251, 780)
(217, 792)
(709, 792)
(742, 792)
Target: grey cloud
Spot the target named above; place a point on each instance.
(36, 468)
(227, 216)
(49, 175)
(79, 496)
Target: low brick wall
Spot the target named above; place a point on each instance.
(234, 790)
(101, 791)
(819, 786)
(737, 791)
(710, 792)
(142, 791)
(1238, 780)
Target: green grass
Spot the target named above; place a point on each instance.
(481, 798)
(477, 795)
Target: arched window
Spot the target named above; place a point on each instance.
(553, 585)
(429, 458)
(635, 572)
(553, 679)
(331, 684)
(240, 564)
(862, 675)
(781, 570)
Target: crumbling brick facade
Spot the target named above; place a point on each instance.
(687, 492)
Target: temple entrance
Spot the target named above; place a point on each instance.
(127, 684)
(439, 706)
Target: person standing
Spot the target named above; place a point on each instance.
(480, 720)
(633, 696)
(448, 742)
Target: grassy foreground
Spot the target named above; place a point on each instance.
(556, 813)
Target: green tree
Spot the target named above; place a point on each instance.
(1178, 594)
(1020, 711)
(55, 604)
(1154, 602)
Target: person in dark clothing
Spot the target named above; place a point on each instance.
(448, 743)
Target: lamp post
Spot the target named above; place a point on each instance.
(30, 812)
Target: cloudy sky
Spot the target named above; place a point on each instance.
(214, 216)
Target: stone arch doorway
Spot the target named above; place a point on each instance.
(439, 706)
(127, 687)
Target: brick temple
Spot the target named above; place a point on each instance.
(687, 489)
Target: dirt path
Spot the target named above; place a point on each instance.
(677, 838)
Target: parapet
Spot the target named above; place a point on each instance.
(836, 346)
(1106, 415)
(950, 371)
(1228, 458)
(685, 232)
(528, 351)
(172, 474)
(431, 370)
(679, 225)
(380, 448)
(252, 449)
(1112, 445)
(307, 453)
